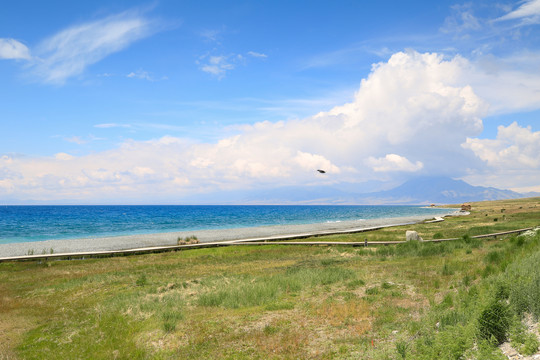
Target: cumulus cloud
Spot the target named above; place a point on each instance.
(515, 147)
(506, 84)
(69, 52)
(393, 162)
(413, 105)
(13, 49)
(512, 159)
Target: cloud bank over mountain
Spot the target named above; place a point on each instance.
(415, 114)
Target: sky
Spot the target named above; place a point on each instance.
(151, 102)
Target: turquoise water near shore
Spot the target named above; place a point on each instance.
(39, 223)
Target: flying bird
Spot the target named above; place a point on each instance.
(321, 171)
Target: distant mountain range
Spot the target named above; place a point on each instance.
(439, 190)
(421, 190)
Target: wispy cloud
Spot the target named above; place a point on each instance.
(217, 65)
(529, 11)
(211, 34)
(144, 75)
(140, 74)
(76, 139)
(461, 20)
(139, 126)
(13, 49)
(112, 125)
(256, 54)
(69, 52)
(79, 140)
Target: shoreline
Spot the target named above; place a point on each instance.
(205, 236)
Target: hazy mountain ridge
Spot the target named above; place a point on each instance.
(422, 190)
(417, 191)
(441, 190)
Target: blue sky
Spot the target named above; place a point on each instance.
(150, 102)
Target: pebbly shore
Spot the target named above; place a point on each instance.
(204, 236)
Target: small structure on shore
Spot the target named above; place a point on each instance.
(466, 207)
(190, 240)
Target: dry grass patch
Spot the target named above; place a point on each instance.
(353, 315)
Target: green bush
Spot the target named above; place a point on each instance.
(494, 322)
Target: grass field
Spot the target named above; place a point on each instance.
(415, 300)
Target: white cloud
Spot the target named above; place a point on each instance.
(13, 49)
(211, 34)
(529, 9)
(308, 162)
(63, 156)
(71, 51)
(112, 125)
(462, 20)
(76, 139)
(506, 84)
(217, 65)
(512, 159)
(413, 105)
(514, 148)
(393, 162)
(256, 54)
(144, 75)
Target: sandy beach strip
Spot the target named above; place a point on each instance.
(204, 236)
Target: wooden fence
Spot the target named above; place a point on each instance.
(276, 240)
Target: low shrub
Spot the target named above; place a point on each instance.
(494, 322)
(188, 240)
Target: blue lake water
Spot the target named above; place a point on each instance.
(37, 223)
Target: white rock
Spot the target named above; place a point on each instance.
(412, 235)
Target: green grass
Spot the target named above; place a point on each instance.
(412, 301)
